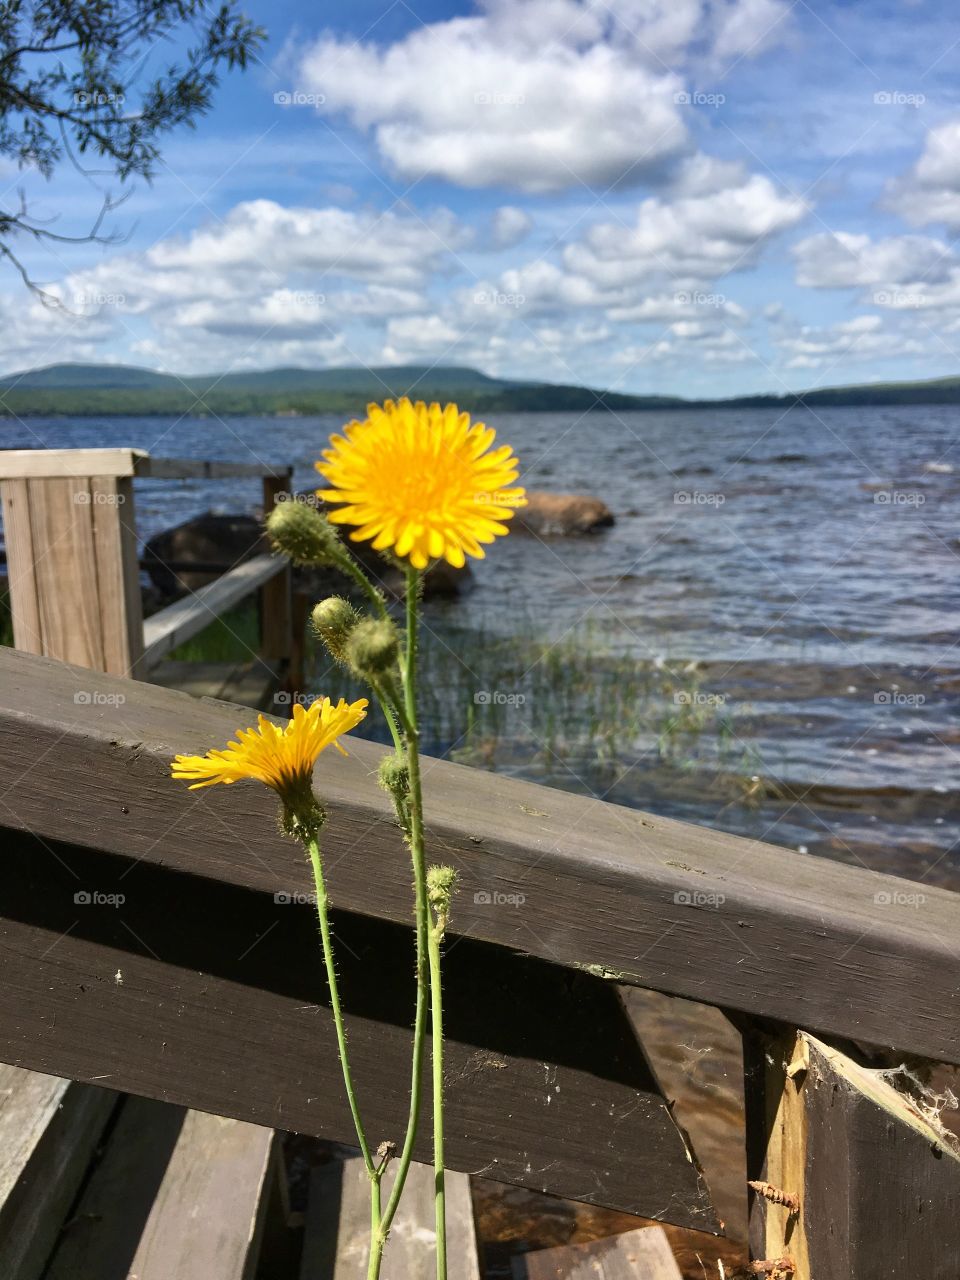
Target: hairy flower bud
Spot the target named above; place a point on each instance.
(394, 775)
(372, 647)
(441, 882)
(300, 531)
(333, 620)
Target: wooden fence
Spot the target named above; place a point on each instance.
(162, 942)
(70, 530)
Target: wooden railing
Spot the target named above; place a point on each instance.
(70, 531)
(162, 942)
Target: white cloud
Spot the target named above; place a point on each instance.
(688, 241)
(930, 191)
(899, 273)
(838, 260)
(509, 226)
(539, 96)
(859, 340)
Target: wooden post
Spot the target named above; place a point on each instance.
(276, 631)
(850, 1178)
(72, 557)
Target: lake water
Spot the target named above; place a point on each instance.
(806, 562)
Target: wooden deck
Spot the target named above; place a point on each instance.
(163, 943)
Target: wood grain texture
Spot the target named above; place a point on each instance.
(65, 566)
(337, 1235)
(117, 573)
(21, 578)
(48, 1130)
(643, 1254)
(207, 1218)
(877, 1185)
(53, 463)
(213, 996)
(185, 618)
(625, 896)
(28, 464)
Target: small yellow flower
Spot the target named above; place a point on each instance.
(281, 758)
(421, 481)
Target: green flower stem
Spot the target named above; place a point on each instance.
(323, 913)
(388, 707)
(418, 857)
(349, 565)
(436, 1041)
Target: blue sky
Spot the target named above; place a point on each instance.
(702, 197)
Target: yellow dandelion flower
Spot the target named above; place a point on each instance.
(421, 481)
(282, 758)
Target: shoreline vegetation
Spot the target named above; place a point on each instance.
(91, 390)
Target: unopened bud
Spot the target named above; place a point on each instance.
(333, 620)
(441, 882)
(301, 532)
(372, 647)
(394, 775)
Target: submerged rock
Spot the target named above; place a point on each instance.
(559, 514)
(216, 543)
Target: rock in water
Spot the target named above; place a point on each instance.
(222, 541)
(214, 541)
(553, 514)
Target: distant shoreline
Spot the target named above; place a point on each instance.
(80, 391)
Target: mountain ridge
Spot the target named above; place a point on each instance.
(86, 389)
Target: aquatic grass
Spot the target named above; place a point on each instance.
(563, 710)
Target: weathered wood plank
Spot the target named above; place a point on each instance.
(208, 1216)
(102, 1237)
(199, 469)
(213, 996)
(117, 581)
(643, 1254)
(65, 568)
(874, 1185)
(21, 558)
(29, 464)
(48, 1129)
(593, 886)
(185, 618)
(337, 1234)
